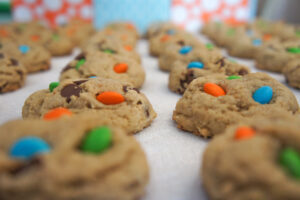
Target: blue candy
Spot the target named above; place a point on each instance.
(263, 95)
(27, 147)
(24, 49)
(256, 42)
(185, 49)
(171, 32)
(195, 64)
(93, 77)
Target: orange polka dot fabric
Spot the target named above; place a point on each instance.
(52, 12)
(191, 14)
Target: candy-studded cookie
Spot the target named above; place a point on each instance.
(58, 44)
(109, 45)
(274, 55)
(12, 73)
(183, 73)
(68, 159)
(212, 103)
(259, 159)
(105, 66)
(109, 98)
(186, 52)
(34, 57)
(292, 73)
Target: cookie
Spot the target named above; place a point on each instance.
(158, 43)
(112, 99)
(183, 73)
(105, 66)
(159, 28)
(292, 73)
(254, 160)
(58, 44)
(212, 103)
(186, 52)
(110, 45)
(12, 73)
(274, 55)
(77, 30)
(33, 56)
(70, 158)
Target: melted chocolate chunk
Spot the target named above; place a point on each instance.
(14, 62)
(125, 88)
(137, 90)
(35, 162)
(147, 112)
(243, 72)
(221, 62)
(80, 56)
(66, 68)
(181, 42)
(70, 90)
(80, 82)
(139, 102)
(1, 55)
(189, 77)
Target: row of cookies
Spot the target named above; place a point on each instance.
(74, 140)
(219, 93)
(28, 47)
(273, 45)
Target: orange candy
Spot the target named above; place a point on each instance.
(121, 68)
(124, 37)
(128, 47)
(267, 36)
(244, 132)
(71, 31)
(165, 38)
(130, 26)
(3, 33)
(57, 113)
(110, 98)
(213, 89)
(35, 38)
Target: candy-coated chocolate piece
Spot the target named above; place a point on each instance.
(213, 89)
(263, 95)
(27, 147)
(195, 64)
(289, 159)
(53, 85)
(185, 50)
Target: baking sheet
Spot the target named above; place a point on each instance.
(174, 156)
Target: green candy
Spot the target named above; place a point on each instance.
(289, 159)
(209, 46)
(108, 51)
(233, 77)
(53, 85)
(231, 60)
(55, 37)
(97, 140)
(79, 63)
(293, 50)
(230, 32)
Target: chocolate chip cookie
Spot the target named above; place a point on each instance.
(70, 158)
(105, 66)
(109, 98)
(12, 73)
(259, 159)
(212, 103)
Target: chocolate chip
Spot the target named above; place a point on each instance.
(1, 55)
(1, 46)
(80, 82)
(139, 102)
(147, 112)
(66, 68)
(70, 90)
(14, 62)
(243, 72)
(181, 42)
(35, 162)
(188, 78)
(132, 185)
(125, 88)
(3, 86)
(137, 90)
(20, 72)
(80, 56)
(221, 62)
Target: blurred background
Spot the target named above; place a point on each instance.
(189, 14)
